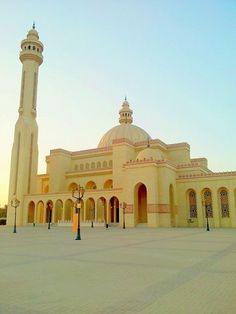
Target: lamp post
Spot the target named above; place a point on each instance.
(78, 194)
(124, 207)
(15, 203)
(208, 229)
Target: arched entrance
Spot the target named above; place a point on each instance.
(58, 210)
(140, 201)
(40, 212)
(114, 210)
(49, 209)
(68, 210)
(31, 209)
(90, 209)
(101, 209)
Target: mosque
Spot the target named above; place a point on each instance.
(129, 176)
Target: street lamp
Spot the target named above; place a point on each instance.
(208, 229)
(49, 210)
(78, 194)
(15, 203)
(124, 207)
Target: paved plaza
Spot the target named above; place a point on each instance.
(137, 270)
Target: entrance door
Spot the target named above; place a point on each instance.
(142, 204)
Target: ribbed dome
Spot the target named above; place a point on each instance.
(149, 153)
(125, 130)
(128, 131)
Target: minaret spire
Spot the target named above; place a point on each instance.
(24, 157)
(33, 25)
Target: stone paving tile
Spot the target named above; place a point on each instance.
(117, 271)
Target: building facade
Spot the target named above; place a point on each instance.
(130, 175)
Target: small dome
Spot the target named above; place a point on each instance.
(127, 131)
(150, 153)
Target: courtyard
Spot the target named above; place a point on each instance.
(136, 270)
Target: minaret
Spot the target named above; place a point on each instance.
(24, 157)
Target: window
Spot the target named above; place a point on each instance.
(192, 204)
(208, 203)
(224, 204)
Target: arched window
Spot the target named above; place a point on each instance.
(92, 165)
(90, 185)
(72, 186)
(81, 167)
(110, 163)
(108, 184)
(104, 164)
(87, 165)
(208, 203)
(224, 203)
(98, 164)
(76, 167)
(192, 204)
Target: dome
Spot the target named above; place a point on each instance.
(125, 130)
(149, 153)
(128, 131)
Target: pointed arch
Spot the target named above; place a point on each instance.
(224, 202)
(58, 210)
(68, 210)
(40, 212)
(91, 185)
(207, 201)
(49, 210)
(192, 203)
(114, 212)
(101, 209)
(140, 202)
(72, 186)
(108, 184)
(90, 209)
(31, 212)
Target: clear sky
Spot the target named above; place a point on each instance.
(173, 59)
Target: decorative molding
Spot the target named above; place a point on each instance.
(207, 175)
(163, 208)
(122, 141)
(152, 208)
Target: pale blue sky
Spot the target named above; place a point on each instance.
(175, 61)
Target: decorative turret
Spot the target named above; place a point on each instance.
(31, 47)
(125, 113)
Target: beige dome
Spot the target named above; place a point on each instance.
(149, 153)
(125, 130)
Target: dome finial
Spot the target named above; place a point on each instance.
(125, 113)
(33, 25)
